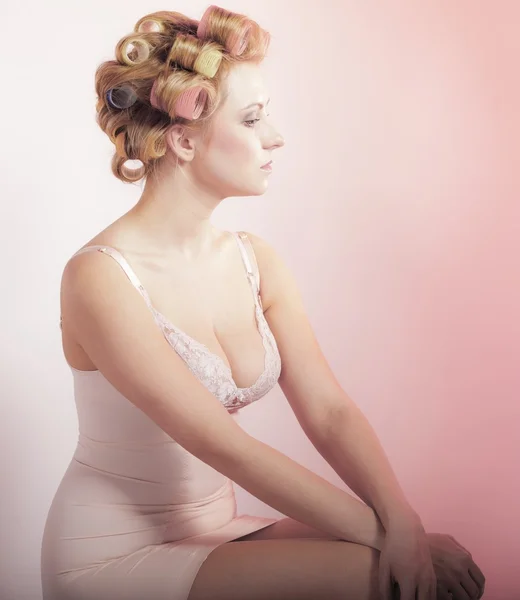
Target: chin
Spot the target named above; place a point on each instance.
(258, 192)
(262, 187)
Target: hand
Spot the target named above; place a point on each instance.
(405, 561)
(455, 570)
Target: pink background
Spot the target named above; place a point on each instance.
(394, 201)
(406, 120)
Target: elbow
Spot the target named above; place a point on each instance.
(323, 430)
(339, 408)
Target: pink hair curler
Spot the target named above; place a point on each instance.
(149, 26)
(237, 46)
(190, 103)
(153, 97)
(202, 29)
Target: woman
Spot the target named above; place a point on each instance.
(146, 508)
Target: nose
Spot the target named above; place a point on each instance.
(275, 140)
(279, 141)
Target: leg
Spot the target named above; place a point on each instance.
(265, 569)
(288, 569)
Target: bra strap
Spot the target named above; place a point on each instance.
(252, 273)
(124, 265)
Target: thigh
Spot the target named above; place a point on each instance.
(286, 528)
(288, 569)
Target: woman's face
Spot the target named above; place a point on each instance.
(240, 139)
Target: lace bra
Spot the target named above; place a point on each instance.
(209, 368)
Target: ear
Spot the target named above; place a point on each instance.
(181, 142)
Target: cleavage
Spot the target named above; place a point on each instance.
(220, 315)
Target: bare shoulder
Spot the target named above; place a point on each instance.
(84, 264)
(116, 235)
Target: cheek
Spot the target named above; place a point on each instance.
(236, 147)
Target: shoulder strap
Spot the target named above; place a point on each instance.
(115, 254)
(248, 255)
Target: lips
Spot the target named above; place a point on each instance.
(267, 164)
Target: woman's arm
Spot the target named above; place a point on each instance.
(351, 447)
(296, 491)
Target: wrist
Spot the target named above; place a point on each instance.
(378, 532)
(379, 536)
(404, 517)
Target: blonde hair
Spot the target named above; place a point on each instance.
(178, 54)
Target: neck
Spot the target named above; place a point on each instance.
(174, 214)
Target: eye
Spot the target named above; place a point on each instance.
(251, 122)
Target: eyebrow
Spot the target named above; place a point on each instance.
(260, 104)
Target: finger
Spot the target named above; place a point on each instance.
(396, 592)
(385, 582)
(432, 589)
(459, 593)
(407, 590)
(434, 592)
(477, 575)
(442, 592)
(425, 590)
(481, 583)
(471, 587)
(482, 590)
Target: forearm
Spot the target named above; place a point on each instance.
(351, 447)
(300, 493)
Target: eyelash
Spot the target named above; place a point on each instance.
(253, 121)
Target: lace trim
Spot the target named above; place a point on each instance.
(214, 373)
(208, 367)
